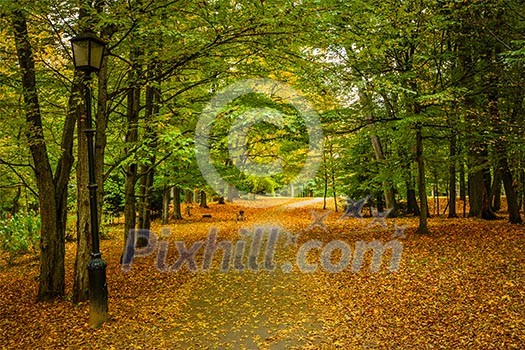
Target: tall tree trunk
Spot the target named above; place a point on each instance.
(436, 194)
(477, 153)
(203, 201)
(188, 196)
(196, 195)
(147, 172)
(479, 176)
(421, 184)
(52, 190)
(522, 182)
(133, 107)
(332, 174)
(412, 206)
(452, 176)
(495, 192)
(510, 191)
(102, 123)
(462, 181)
(325, 169)
(165, 204)
(142, 205)
(479, 200)
(501, 152)
(144, 218)
(388, 190)
(83, 227)
(177, 215)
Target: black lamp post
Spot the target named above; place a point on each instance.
(88, 51)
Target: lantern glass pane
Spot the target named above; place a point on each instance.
(97, 52)
(81, 53)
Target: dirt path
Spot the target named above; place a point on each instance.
(303, 204)
(256, 309)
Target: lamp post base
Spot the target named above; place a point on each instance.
(98, 291)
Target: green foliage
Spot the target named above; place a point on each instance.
(19, 234)
(260, 185)
(113, 195)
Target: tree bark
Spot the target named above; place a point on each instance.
(452, 176)
(325, 173)
(188, 196)
(203, 201)
(522, 183)
(512, 198)
(501, 153)
(412, 206)
(479, 177)
(132, 116)
(177, 215)
(332, 175)
(462, 182)
(52, 190)
(495, 193)
(83, 227)
(196, 196)
(147, 172)
(421, 184)
(388, 190)
(165, 205)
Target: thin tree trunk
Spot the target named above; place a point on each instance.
(203, 201)
(388, 190)
(196, 195)
(141, 204)
(147, 172)
(436, 193)
(412, 206)
(522, 181)
(452, 177)
(165, 205)
(332, 171)
(133, 107)
(325, 194)
(510, 191)
(177, 215)
(102, 123)
(423, 228)
(188, 196)
(496, 191)
(462, 181)
(379, 202)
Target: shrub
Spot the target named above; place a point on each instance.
(19, 234)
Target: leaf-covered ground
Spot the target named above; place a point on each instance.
(462, 287)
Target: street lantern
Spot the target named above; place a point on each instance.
(88, 52)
